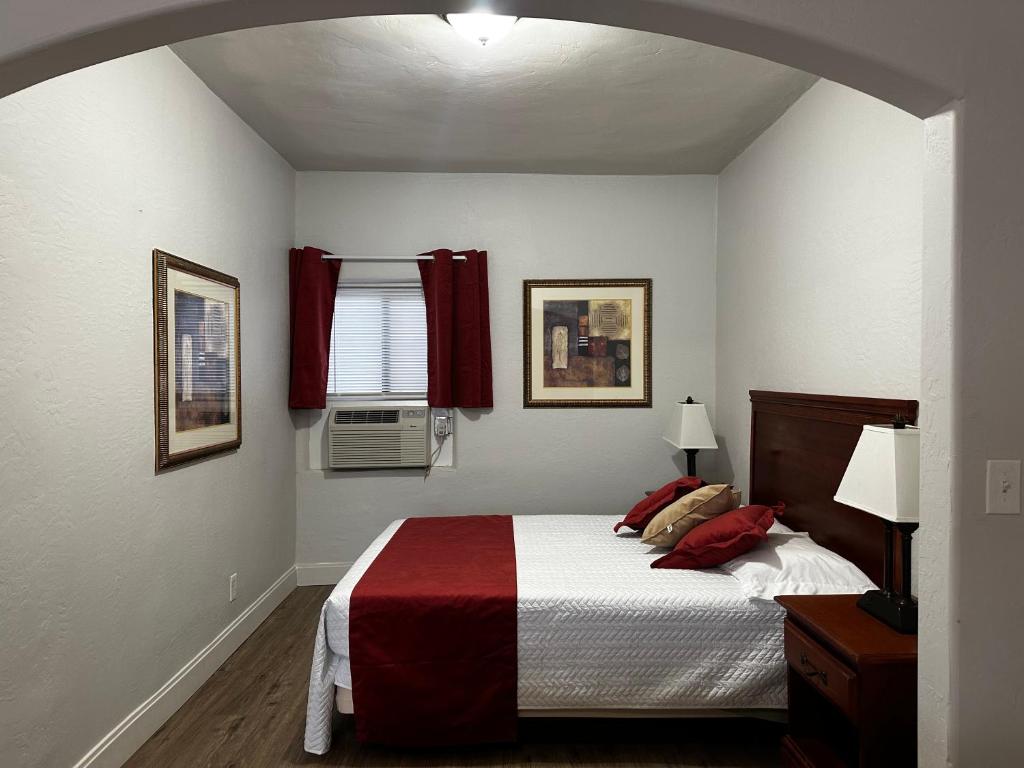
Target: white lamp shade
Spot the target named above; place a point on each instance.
(883, 474)
(690, 427)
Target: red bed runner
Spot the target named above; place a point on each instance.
(432, 635)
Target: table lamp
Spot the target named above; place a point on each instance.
(882, 479)
(690, 429)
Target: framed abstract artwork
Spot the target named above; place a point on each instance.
(197, 361)
(587, 343)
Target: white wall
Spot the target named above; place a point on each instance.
(987, 612)
(936, 629)
(516, 460)
(112, 577)
(819, 259)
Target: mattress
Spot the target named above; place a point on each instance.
(599, 629)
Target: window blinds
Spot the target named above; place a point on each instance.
(378, 341)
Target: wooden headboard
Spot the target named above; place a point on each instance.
(799, 448)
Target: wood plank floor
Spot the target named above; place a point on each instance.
(251, 714)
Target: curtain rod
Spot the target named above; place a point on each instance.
(332, 257)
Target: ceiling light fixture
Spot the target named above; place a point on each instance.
(484, 28)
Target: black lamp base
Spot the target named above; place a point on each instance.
(897, 611)
(691, 461)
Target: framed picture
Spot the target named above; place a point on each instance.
(197, 360)
(587, 343)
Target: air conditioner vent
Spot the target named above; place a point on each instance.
(365, 417)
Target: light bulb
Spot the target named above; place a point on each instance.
(482, 28)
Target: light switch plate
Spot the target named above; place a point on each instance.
(1003, 487)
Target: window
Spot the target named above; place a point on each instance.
(379, 341)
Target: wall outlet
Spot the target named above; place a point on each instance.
(1003, 487)
(232, 587)
(442, 418)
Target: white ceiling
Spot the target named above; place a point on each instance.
(406, 93)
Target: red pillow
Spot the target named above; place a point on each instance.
(645, 510)
(720, 540)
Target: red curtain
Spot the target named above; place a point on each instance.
(313, 284)
(458, 330)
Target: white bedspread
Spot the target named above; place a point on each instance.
(599, 629)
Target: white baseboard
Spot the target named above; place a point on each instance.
(132, 732)
(312, 574)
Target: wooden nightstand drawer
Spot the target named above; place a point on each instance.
(820, 668)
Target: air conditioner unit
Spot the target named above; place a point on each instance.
(377, 436)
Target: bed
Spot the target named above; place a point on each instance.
(600, 633)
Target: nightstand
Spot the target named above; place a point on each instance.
(852, 686)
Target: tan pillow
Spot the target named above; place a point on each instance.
(680, 517)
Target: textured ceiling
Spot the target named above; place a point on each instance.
(406, 93)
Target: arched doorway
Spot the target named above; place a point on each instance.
(865, 49)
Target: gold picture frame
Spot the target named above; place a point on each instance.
(587, 343)
(197, 368)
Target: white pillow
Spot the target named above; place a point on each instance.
(790, 563)
(780, 527)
